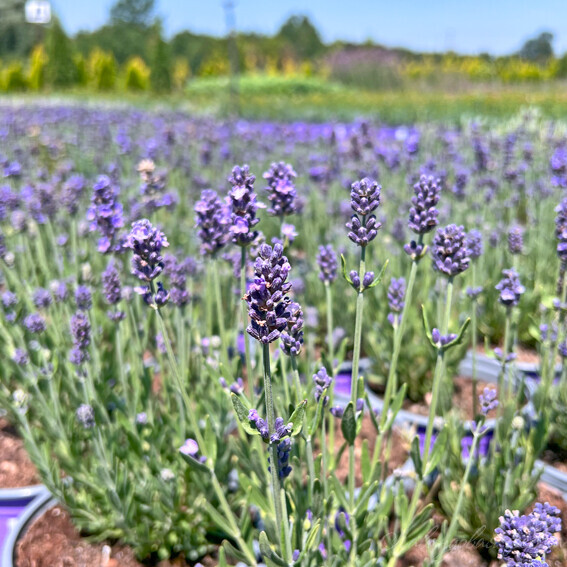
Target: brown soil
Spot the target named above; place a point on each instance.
(556, 457)
(398, 456)
(53, 541)
(523, 354)
(16, 468)
(462, 399)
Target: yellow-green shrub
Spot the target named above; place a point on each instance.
(14, 78)
(137, 75)
(102, 70)
(38, 61)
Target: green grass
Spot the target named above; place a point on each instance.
(316, 99)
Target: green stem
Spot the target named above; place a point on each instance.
(437, 380)
(310, 467)
(244, 313)
(331, 347)
(457, 512)
(220, 317)
(474, 340)
(296, 381)
(274, 468)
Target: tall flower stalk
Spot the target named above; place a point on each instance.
(243, 205)
(449, 255)
(147, 242)
(270, 317)
(422, 220)
(213, 220)
(363, 228)
(475, 249)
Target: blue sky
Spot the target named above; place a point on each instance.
(466, 26)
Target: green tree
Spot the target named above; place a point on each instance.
(137, 13)
(538, 49)
(17, 37)
(60, 70)
(160, 78)
(302, 37)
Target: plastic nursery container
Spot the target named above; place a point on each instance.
(15, 506)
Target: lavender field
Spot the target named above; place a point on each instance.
(239, 342)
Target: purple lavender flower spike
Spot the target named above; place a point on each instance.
(474, 244)
(105, 213)
(449, 251)
(558, 165)
(146, 241)
(524, 541)
(35, 323)
(328, 264)
(292, 338)
(83, 298)
(281, 188)
(516, 240)
(111, 286)
(364, 199)
(21, 357)
(213, 219)
(322, 383)
(365, 196)
(561, 230)
(510, 288)
(86, 416)
(423, 212)
(81, 333)
(474, 292)
(244, 204)
(42, 298)
(267, 295)
(488, 401)
(396, 294)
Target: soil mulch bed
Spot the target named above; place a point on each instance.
(16, 468)
(524, 354)
(53, 541)
(556, 457)
(462, 399)
(399, 454)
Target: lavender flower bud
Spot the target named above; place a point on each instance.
(85, 416)
(510, 288)
(213, 219)
(105, 213)
(474, 244)
(355, 278)
(328, 264)
(526, 540)
(561, 230)
(35, 323)
(146, 241)
(83, 298)
(292, 338)
(396, 294)
(365, 196)
(81, 333)
(41, 298)
(515, 240)
(368, 279)
(243, 206)
(488, 401)
(111, 286)
(423, 212)
(449, 251)
(282, 193)
(474, 292)
(267, 296)
(322, 383)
